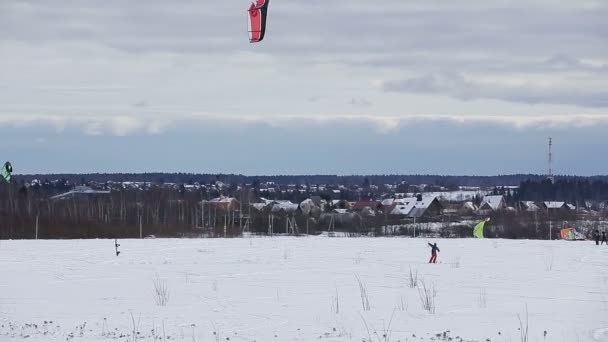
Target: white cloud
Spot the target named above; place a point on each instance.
(122, 125)
(526, 91)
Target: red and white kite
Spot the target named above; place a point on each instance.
(257, 20)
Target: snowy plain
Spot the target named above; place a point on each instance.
(302, 289)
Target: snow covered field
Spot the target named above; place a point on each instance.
(302, 289)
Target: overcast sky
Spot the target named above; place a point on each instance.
(337, 86)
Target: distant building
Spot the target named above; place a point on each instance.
(361, 205)
(458, 208)
(467, 208)
(340, 204)
(80, 191)
(224, 203)
(402, 207)
(555, 206)
(426, 207)
(492, 203)
(284, 206)
(416, 207)
(529, 206)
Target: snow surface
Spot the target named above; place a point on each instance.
(302, 289)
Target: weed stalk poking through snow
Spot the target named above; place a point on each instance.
(482, 299)
(364, 297)
(335, 303)
(413, 278)
(386, 331)
(427, 296)
(161, 291)
(523, 327)
(402, 304)
(549, 262)
(135, 327)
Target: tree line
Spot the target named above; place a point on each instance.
(30, 211)
(346, 180)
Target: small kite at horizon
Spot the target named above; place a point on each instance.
(478, 230)
(257, 20)
(7, 171)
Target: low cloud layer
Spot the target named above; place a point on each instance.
(527, 92)
(345, 146)
(119, 126)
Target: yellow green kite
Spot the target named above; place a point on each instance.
(478, 230)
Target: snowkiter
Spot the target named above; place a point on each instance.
(596, 237)
(434, 250)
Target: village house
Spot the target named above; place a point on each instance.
(555, 206)
(492, 203)
(416, 207)
(223, 203)
(528, 206)
(80, 191)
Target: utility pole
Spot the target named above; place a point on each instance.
(549, 217)
(202, 212)
(550, 161)
(307, 221)
(270, 224)
(248, 209)
(226, 221)
(536, 222)
(550, 177)
(241, 211)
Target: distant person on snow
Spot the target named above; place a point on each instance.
(596, 237)
(434, 250)
(604, 238)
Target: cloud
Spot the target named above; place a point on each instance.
(122, 126)
(119, 126)
(150, 70)
(359, 102)
(460, 87)
(564, 62)
(300, 145)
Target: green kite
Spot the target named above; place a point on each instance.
(7, 171)
(478, 230)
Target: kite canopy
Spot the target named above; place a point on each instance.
(257, 20)
(571, 234)
(7, 171)
(478, 230)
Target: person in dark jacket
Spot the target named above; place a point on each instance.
(604, 238)
(434, 250)
(596, 237)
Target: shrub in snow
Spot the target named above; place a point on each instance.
(161, 291)
(427, 293)
(413, 278)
